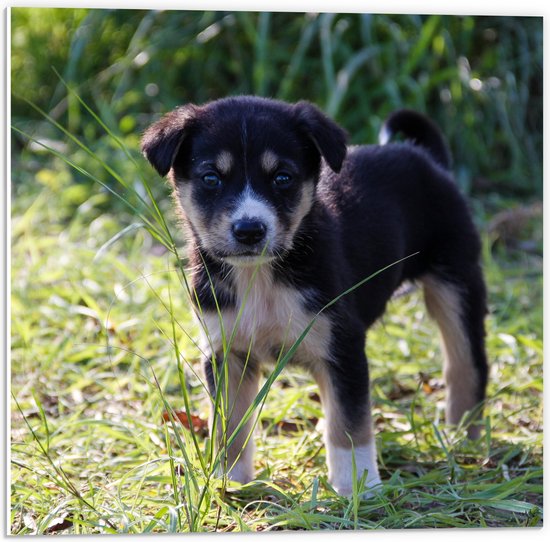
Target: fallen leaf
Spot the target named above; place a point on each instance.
(194, 422)
(59, 524)
(287, 427)
(427, 388)
(429, 384)
(314, 396)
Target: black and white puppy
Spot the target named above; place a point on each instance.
(283, 217)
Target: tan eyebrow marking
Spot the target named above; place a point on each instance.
(269, 161)
(224, 162)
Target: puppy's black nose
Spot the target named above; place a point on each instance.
(249, 232)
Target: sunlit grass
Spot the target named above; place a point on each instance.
(93, 360)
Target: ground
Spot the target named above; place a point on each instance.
(104, 369)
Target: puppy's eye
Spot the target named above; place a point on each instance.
(211, 180)
(282, 180)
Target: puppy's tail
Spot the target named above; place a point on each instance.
(420, 130)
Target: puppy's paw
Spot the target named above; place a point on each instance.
(370, 488)
(242, 472)
(341, 470)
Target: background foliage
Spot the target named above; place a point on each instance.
(101, 333)
(479, 77)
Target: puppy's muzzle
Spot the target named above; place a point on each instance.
(249, 231)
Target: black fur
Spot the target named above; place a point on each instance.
(421, 131)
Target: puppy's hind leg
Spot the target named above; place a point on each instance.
(458, 305)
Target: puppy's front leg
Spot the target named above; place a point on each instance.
(233, 386)
(348, 425)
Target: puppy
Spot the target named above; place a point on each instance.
(283, 218)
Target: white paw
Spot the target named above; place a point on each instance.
(372, 485)
(242, 472)
(340, 468)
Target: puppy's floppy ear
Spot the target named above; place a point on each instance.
(162, 140)
(327, 136)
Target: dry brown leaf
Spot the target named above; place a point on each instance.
(59, 524)
(192, 422)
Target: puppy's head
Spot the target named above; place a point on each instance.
(244, 171)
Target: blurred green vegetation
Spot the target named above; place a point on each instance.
(480, 78)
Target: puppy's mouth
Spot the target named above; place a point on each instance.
(248, 259)
(226, 250)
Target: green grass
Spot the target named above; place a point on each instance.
(103, 354)
(94, 367)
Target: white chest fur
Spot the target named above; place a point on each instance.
(268, 318)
